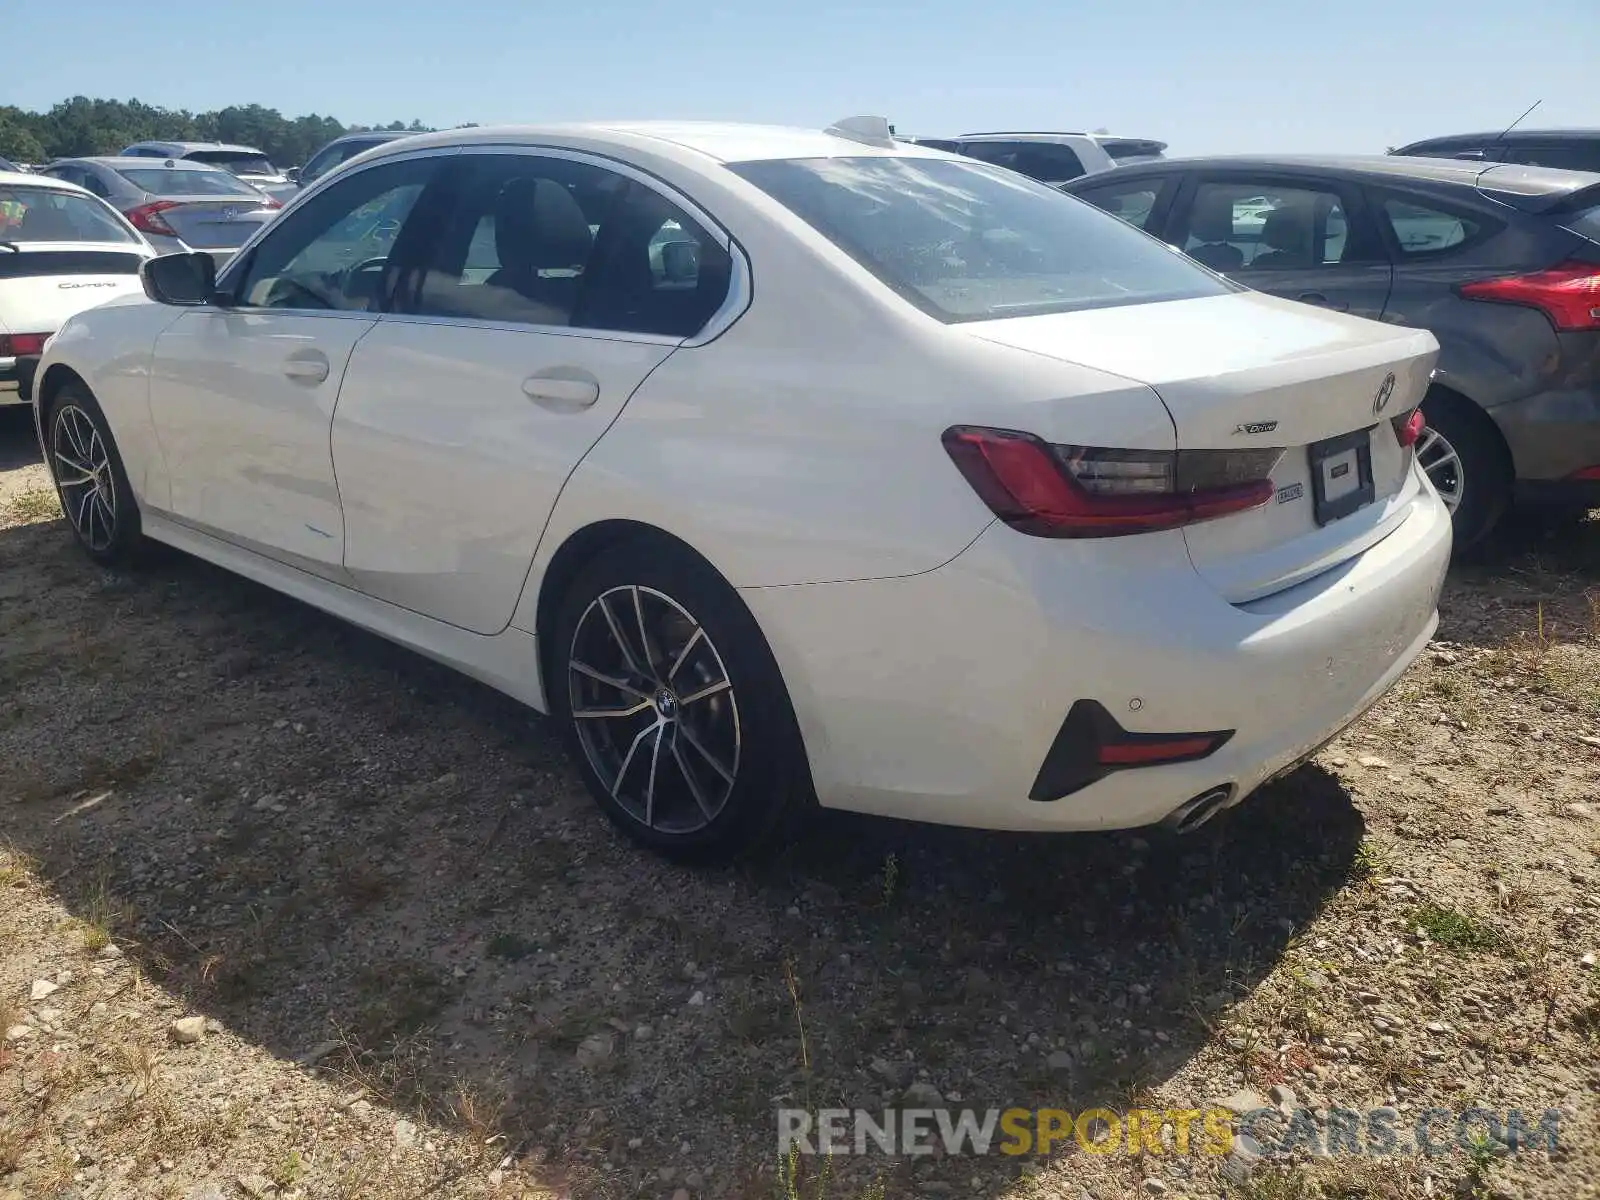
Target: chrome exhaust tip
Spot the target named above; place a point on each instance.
(1192, 814)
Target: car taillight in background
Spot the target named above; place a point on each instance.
(147, 218)
(20, 345)
(272, 202)
(1087, 491)
(1568, 294)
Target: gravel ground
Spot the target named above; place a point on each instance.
(286, 911)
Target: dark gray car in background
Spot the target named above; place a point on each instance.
(1568, 149)
(1501, 263)
(341, 150)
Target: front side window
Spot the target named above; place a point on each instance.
(36, 214)
(333, 252)
(1423, 229)
(546, 241)
(1251, 225)
(176, 181)
(965, 242)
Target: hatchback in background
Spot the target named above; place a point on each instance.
(61, 251)
(1500, 263)
(248, 163)
(1567, 149)
(340, 150)
(1049, 157)
(179, 206)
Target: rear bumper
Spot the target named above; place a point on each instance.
(937, 697)
(16, 380)
(1552, 434)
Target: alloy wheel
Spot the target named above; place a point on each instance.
(1443, 466)
(654, 709)
(83, 474)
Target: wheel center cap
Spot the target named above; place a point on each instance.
(666, 704)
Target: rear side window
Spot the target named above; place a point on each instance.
(161, 181)
(1045, 161)
(1585, 224)
(1422, 228)
(1133, 202)
(547, 241)
(965, 242)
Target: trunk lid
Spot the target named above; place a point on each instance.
(1247, 371)
(44, 283)
(213, 222)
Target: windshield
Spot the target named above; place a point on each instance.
(233, 160)
(36, 214)
(168, 181)
(966, 242)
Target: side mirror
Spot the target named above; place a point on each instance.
(292, 174)
(185, 280)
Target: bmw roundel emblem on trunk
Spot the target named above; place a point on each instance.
(1385, 390)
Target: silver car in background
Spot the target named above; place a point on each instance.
(178, 205)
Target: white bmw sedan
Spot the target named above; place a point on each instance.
(783, 466)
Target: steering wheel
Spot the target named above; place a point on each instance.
(368, 266)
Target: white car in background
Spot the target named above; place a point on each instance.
(62, 250)
(248, 163)
(779, 464)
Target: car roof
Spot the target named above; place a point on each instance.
(1515, 135)
(29, 179)
(687, 141)
(1524, 180)
(372, 135)
(119, 162)
(1042, 135)
(183, 148)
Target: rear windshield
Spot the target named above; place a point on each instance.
(36, 214)
(966, 242)
(1585, 223)
(232, 160)
(175, 181)
(1128, 150)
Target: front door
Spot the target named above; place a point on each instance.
(554, 289)
(1303, 239)
(243, 393)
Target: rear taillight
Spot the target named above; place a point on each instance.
(1568, 294)
(1586, 473)
(1085, 491)
(147, 218)
(271, 202)
(18, 345)
(1408, 427)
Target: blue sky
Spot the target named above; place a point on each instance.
(1205, 76)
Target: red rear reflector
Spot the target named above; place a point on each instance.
(1408, 427)
(1568, 294)
(147, 218)
(1586, 473)
(15, 345)
(1156, 750)
(1085, 491)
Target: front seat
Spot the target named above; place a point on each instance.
(1286, 234)
(540, 230)
(1212, 226)
(46, 223)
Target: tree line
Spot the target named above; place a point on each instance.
(81, 126)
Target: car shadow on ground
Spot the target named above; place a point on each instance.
(19, 444)
(314, 836)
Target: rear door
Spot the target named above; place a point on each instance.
(557, 285)
(1305, 239)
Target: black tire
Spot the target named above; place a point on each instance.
(1483, 475)
(77, 434)
(671, 798)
